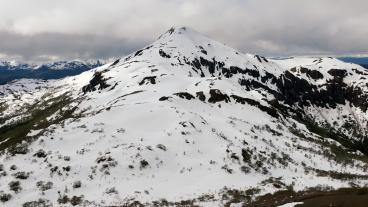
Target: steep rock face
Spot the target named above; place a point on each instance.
(340, 93)
(188, 114)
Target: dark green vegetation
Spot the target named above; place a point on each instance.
(313, 197)
(344, 197)
(35, 117)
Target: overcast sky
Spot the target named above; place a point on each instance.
(40, 30)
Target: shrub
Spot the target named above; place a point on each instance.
(245, 169)
(111, 191)
(144, 164)
(21, 175)
(76, 200)
(44, 186)
(39, 203)
(162, 147)
(77, 184)
(15, 186)
(4, 197)
(40, 154)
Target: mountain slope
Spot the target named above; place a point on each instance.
(187, 120)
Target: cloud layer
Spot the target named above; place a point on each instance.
(42, 29)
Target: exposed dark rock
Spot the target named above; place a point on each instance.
(359, 72)
(164, 98)
(115, 62)
(264, 59)
(211, 65)
(271, 111)
(269, 77)
(162, 147)
(246, 156)
(338, 73)
(163, 54)
(138, 53)
(148, 79)
(97, 80)
(253, 84)
(200, 95)
(314, 74)
(296, 90)
(229, 72)
(260, 58)
(197, 67)
(40, 154)
(217, 96)
(185, 95)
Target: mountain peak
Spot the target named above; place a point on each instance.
(177, 31)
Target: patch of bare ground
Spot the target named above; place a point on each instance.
(344, 197)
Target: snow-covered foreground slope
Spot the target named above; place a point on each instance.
(186, 120)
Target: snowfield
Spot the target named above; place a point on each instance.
(186, 119)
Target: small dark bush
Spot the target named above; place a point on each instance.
(144, 164)
(20, 149)
(39, 203)
(40, 154)
(76, 200)
(4, 197)
(162, 147)
(15, 186)
(44, 186)
(245, 169)
(21, 175)
(77, 184)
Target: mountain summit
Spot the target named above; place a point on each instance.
(184, 121)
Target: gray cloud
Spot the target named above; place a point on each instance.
(45, 46)
(99, 29)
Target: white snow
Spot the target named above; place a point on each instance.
(291, 204)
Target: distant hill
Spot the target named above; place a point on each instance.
(10, 71)
(363, 61)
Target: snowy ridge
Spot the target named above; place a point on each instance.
(57, 65)
(186, 118)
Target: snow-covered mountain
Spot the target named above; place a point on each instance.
(57, 65)
(185, 121)
(12, 70)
